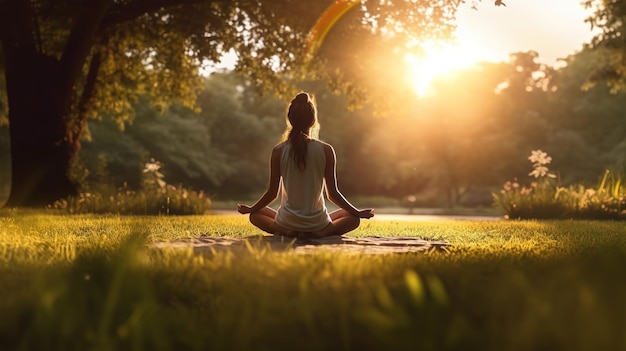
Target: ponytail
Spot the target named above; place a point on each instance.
(302, 116)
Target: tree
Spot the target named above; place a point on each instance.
(68, 60)
(65, 61)
(591, 121)
(610, 18)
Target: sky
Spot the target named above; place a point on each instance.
(553, 28)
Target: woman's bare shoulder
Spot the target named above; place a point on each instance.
(328, 149)
(277, 150)
(279, 146)
(325, 144)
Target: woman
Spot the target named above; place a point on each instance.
(305, 164)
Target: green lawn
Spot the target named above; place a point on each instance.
(90, 283)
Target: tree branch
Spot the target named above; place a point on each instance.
(86, 98)
(120, 13)
(81, 40)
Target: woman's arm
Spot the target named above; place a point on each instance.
(330, 176)
(272, 188)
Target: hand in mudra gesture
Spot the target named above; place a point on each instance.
(366, 213)
(243, 209)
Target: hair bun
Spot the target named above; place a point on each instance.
(301, 98)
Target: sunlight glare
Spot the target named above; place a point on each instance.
(437, 61)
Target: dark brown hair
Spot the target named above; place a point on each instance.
(301, 118)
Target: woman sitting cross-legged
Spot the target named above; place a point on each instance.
(305, 164)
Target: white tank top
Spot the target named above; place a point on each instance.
(302, 207)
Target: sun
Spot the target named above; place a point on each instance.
(436, 61)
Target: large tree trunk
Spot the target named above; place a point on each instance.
(40, 89)
(40, 150)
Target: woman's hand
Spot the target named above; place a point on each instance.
(366, 213)
(243, 209)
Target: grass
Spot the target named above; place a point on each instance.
(87, 282)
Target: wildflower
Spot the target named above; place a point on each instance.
(539, 157)
(153, 166)
(539, 171)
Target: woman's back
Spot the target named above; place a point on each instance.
(304, 165)
(302, 203)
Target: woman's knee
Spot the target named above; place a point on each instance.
(355, 220)
(262, 222)
(340, 213)
(255, 218)
(348, 221)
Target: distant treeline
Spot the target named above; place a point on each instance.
(455, 147)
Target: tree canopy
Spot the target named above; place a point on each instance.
(454, 147)
(69, 60)
(609, 21)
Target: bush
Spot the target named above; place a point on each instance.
(155, 197)
(545, 199)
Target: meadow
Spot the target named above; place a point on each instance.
(91, 282)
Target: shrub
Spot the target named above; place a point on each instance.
(544, 198)
(155, 197)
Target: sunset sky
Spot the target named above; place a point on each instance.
(553, 28)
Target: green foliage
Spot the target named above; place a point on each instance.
(544, 198)
(156, 50)
(77, 282)
(442, 153)
(155, 197)
(221, 149)
(430, 148)
(83, 60)
(608, 20)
